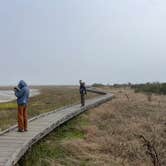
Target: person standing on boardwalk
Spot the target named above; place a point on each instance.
(82, 92)
(22, 94)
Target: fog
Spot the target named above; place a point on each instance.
(62, 41)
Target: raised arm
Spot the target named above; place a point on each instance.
(20, 93)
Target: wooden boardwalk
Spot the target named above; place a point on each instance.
(13, 144)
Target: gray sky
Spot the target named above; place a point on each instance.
(62, 41)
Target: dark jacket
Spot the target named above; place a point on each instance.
(22, 94)
(82, 89)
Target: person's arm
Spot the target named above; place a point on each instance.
(20, 93)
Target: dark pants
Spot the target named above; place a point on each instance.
(82, 99)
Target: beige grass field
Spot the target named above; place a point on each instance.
(111, 135)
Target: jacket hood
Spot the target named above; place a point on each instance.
(22, 84)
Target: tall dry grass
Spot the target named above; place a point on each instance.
(111, 134)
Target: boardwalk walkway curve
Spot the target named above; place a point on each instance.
(13, 144)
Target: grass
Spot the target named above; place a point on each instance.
(8, 106)
(50, 148)
(107, 135)
(158, 88)
(51, 97)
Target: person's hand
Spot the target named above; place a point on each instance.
(16, 89)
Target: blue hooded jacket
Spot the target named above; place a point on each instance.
(22, 94)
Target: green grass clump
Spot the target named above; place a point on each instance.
(69, 131)
(51, 148)
(8, 106)
(8, 115)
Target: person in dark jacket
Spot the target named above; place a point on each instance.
(82, 92)
(22, 94)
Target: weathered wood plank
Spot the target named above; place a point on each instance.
(3, 160)
(2, 163)
(5, 154)
(6, 150)
(10, 146)
(13, 138)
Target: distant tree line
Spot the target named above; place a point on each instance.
(114, 85)
(158, 88)
(98, 85)
(155, 87)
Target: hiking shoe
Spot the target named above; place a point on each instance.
(20, 130)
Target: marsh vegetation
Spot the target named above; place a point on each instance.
(108, 135)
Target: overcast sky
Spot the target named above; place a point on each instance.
(62, 41)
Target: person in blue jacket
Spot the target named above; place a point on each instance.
(22, 94)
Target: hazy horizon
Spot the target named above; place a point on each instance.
(99, 41)
(77, 84)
